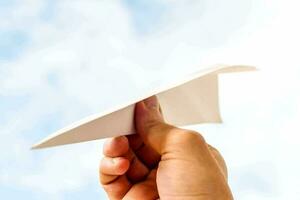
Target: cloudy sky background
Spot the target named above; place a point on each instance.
(63, 60)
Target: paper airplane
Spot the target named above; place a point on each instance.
(191, 100)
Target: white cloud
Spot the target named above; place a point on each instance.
(86, 45)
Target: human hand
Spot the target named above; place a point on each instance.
(162, 162)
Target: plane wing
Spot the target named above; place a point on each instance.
(193, 99)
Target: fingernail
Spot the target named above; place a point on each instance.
(151, 102)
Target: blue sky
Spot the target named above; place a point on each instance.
(63, 60)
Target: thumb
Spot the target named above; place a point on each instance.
(150, 124)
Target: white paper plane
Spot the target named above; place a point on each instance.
(191, 100)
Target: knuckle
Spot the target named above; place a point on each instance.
(101, 165)
(115, 146)
(113, 187)
(193, 137)
(213, 149)
(101, 179)
(105, 148)
(153, 125)
(105, 180)
(186, 137)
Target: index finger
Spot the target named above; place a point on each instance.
(115, 147)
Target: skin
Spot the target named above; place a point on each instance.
(162, 162)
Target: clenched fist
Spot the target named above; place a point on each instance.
(162, 162)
